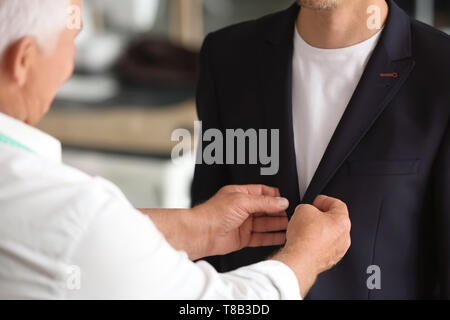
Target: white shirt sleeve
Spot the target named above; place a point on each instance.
(123, 256)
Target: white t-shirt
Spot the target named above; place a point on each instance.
(66, 235)
(323, 82)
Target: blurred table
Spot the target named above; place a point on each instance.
(126, 129)
(130, 146)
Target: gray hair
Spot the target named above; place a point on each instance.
(41, 19)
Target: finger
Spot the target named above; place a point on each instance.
(269, 224)
(260, 189)
(279, 214)
(325, 204)
(256, 189)
(264, 204)
(267, 239)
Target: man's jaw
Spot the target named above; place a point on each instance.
(319, 4)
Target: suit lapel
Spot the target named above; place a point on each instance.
(276, 85)
(372, 96)
(386, 72)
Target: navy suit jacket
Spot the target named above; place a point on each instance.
(389, 158)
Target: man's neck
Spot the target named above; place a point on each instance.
(343, 26)
(10, 103)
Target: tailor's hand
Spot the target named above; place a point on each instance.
(243, 216)
(318, 236)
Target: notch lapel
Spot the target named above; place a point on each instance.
(386, 72)
(276, 86)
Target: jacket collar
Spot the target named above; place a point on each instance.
(373, 94)
(396, 37)
(396, 34)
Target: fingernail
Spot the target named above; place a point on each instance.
(282, 202)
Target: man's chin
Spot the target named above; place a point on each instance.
(319, 4)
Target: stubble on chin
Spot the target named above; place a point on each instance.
(319, 4)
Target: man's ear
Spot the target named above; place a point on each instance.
(20, 58)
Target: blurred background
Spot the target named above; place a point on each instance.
(134, 83)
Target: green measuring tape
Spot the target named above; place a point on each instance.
(9, 141)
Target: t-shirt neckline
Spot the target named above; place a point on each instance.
(363, 46)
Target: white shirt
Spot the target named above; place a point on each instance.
(323, 82)
(64, 234)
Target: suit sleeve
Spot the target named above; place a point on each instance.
(442, 211)
(208, 179)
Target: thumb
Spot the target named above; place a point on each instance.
(327, 204)
(264, 204)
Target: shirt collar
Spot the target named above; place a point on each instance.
(39, 142)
